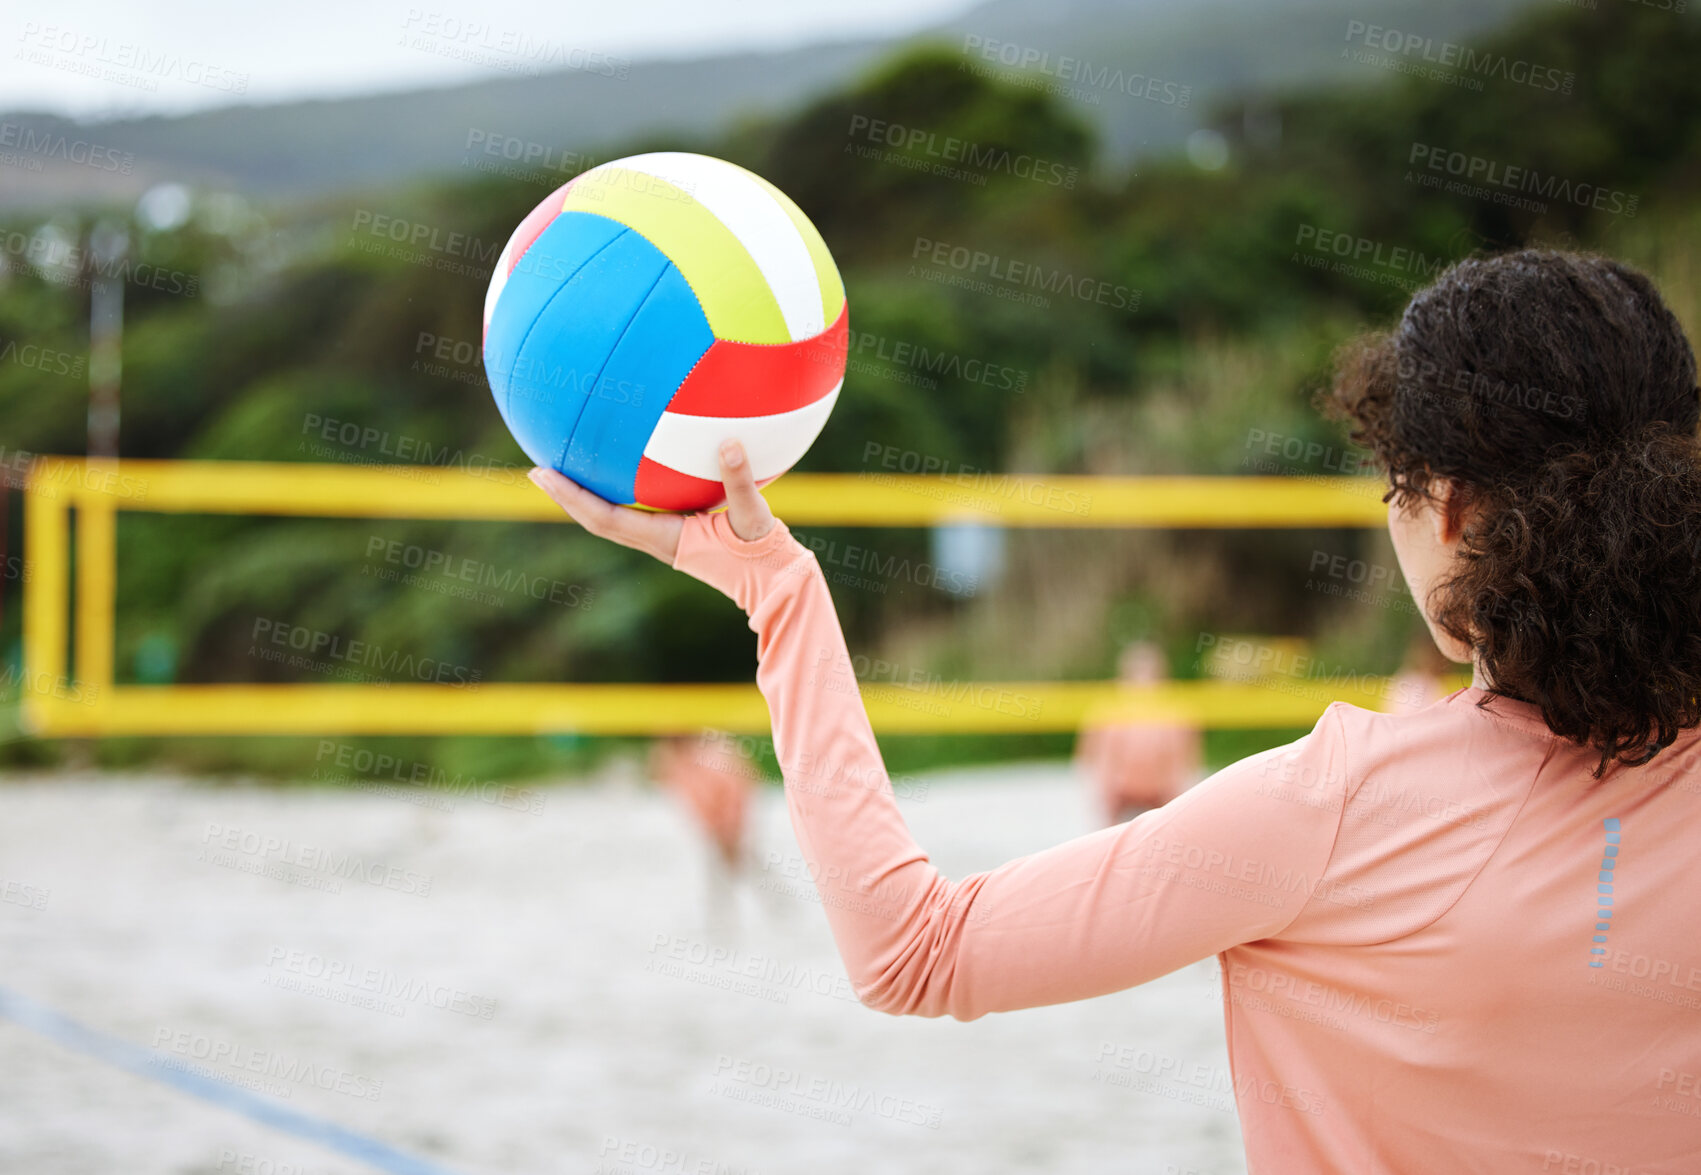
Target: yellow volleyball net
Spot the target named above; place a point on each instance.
(72, 507)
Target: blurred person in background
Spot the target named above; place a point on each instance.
(712, 777)
(1137, 762)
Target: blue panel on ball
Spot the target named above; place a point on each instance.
(560, 250)
(561, 357)
(665, 340)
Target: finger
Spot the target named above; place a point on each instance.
(584, 507)
(746, 509)
(654, 534)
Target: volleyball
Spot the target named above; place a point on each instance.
(650, 309)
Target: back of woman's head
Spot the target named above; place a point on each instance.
(1557, 393)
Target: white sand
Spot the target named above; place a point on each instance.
(605, 1048)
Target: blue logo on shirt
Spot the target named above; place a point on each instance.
(1603, 893)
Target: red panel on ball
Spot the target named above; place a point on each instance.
(762, 379)
(664, 488)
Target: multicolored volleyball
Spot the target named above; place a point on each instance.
(653, 307)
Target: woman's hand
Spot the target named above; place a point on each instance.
(654, 532)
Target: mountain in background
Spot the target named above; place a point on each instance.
(1185, 58)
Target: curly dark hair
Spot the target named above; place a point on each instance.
(1557, 393)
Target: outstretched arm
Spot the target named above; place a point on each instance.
(1233, 860)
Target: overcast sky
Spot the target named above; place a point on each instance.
(103, 58)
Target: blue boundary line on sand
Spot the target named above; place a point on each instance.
(144, 1062)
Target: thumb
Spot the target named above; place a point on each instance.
(746, 509)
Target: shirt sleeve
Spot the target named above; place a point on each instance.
(1232, 860)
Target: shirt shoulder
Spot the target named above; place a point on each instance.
(1426, 798)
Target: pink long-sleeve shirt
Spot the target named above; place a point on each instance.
(1444, 946)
